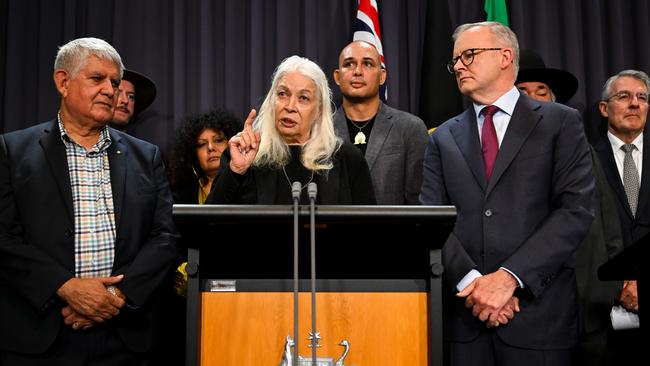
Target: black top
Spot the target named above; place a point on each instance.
(294, 171)
(365, 127)
(347, 183)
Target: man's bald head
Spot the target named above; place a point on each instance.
(370, 50)
(360, 73)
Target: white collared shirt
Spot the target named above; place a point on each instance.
(501, 119)
(619, 155)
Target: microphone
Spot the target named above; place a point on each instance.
(296, 187)
(312, 189)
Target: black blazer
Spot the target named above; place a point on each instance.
(529, 218)
(603, 242)
(347, 183)
(394, 154)
(633, 228)
(37, 240)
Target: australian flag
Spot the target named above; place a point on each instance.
(366, 28)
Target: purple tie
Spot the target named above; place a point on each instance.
(489, 141)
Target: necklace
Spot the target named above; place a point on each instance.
(311, 178)
(360, 137)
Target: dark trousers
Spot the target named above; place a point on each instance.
(98, 346)
(488, 350)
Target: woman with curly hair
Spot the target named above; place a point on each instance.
(200, 142)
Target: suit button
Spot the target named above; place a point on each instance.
(68, 233)
(488, 212)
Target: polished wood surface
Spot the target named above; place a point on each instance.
(385, 328)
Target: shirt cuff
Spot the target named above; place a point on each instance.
(521, 284)
(469, 277)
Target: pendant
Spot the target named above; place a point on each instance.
(360, 138)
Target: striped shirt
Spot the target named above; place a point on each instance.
(92, 200)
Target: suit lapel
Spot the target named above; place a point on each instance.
(644, 195)
(117, 152)
(56, 156)
(606, 155)
(340, 124)
(380, 130)
(465, 132)
(524, 119)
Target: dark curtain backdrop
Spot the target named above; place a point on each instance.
(207, 54)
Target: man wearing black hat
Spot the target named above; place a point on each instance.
(542, 83)
(136, 93)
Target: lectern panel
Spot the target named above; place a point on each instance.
(241, 329)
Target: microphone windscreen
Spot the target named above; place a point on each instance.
(296, 187)
(312, 190)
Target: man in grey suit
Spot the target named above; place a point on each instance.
(519, 173)
(626, 163)
(395, 149)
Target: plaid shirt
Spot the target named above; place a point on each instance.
(92, 200)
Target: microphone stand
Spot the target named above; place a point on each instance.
(312, 190)
(296, 188)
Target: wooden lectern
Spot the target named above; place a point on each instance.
(379, 282)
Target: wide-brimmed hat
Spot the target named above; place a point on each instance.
(532, 68)
(145, 89)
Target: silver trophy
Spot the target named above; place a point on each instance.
(287, 357)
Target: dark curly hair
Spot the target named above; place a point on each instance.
(184, 158)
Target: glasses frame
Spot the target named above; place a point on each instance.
(472, 53)
(618, 97)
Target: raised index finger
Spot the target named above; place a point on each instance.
(248, 124)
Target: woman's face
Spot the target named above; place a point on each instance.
(296, 105)
(209, 146)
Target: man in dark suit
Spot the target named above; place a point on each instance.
(86, 231)
(604, 239)
(626, 164)
(519, 173)
(395, 149)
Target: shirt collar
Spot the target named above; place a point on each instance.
(617, 143)
(102, 144)
(506, 102)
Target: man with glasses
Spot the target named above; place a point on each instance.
(519, 173)
(626, 164)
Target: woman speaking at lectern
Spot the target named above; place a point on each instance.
(292, 140)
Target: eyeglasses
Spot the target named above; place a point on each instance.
(625, 97)
(467, 57)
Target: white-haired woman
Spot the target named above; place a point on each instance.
(293, 140)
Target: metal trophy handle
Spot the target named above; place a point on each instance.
(288, 360)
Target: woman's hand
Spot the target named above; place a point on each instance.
(244, 146)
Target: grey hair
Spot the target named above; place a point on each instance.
(73, 55)
(503, 33)
(639, 75)
(322, 144)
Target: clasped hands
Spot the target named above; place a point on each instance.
(629, 296)
(90, 301)
(491, 298)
